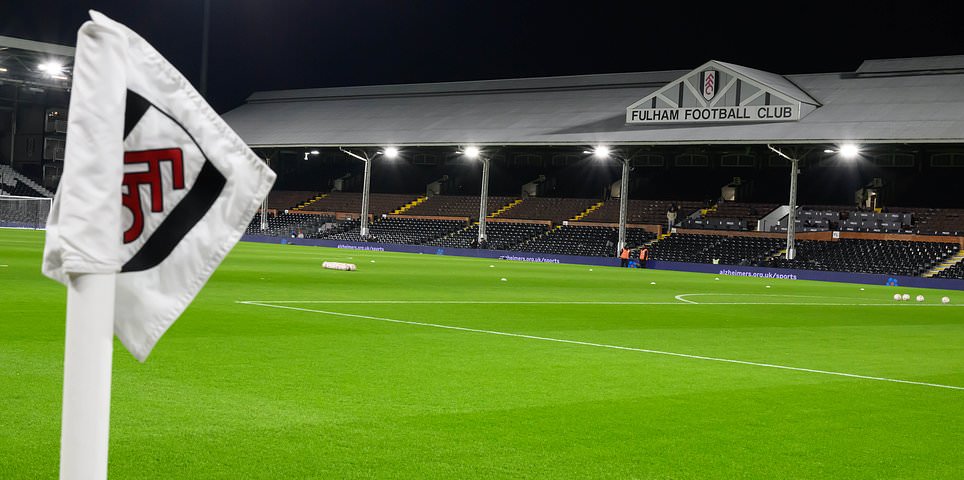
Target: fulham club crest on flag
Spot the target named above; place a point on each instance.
(708, 80)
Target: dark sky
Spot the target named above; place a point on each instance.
(279, 44)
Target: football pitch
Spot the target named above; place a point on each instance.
(424, 366)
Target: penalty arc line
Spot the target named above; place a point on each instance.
(603, 345)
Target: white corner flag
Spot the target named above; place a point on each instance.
(156, 190)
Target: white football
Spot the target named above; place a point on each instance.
(905, 296)
(897, 297)
(920, 298)
(946, 300)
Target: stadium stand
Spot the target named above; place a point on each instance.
(938, 221)
(554, 209)
(730, 216)
(910, 220)
(595, 241)
(291, 224)
(500, 235)
(954, 271)
(709, 248)
(15, 183)
(457, 206)
(402, 230)
(895, 257)
(289, 199)
(645, 212)
(546, 225)
(350, 202)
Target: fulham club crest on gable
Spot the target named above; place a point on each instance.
(708, 80)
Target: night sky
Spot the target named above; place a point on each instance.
(280, 44)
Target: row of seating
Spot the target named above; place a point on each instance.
(406, 231)
(556, 210)
(457, 206)
(868, 256)
(499, 235)
(646, 212)
(350, 202)
(954, 271)
(593, 241)
(728, 250)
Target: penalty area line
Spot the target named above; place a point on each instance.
(603, 345)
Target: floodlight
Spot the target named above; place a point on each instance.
(51, 68)
(849, 150)
(315, 152)
(390, 152)
(3, 70)
(471, 152)
(601, 152)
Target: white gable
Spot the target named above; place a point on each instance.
(718, 92)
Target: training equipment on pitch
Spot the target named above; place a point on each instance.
(897, 297)
(946, 300)
(348, 267)
(905, 297)
(920, 298)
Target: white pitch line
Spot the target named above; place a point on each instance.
(552, 302)
(461, 302)
(603, 345)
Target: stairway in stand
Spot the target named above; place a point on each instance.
(504, 208)
(949, 262)
(309, 202)
(586, 212)
(409, 205)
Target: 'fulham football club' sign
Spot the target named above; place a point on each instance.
(723, 93)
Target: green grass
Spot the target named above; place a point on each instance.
(238, 390)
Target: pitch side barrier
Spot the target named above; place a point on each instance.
(728, 270)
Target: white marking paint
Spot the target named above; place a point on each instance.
(542, 302)
(602, 345)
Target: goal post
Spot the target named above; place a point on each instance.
(24, 212)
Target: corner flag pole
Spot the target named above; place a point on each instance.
(88, 356)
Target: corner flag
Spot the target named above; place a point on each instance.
(156, 188)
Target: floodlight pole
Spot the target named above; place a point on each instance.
(363, 229)
(205, 34)
(264, 214)
(13, 124)
(623, 203)
(792, 216)
(484, 200)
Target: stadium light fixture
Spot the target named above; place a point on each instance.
(849, 150)
(390, 153)
(471, 152)
(51, 68)
(312, 152)
(3, 70)
(601, 151)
